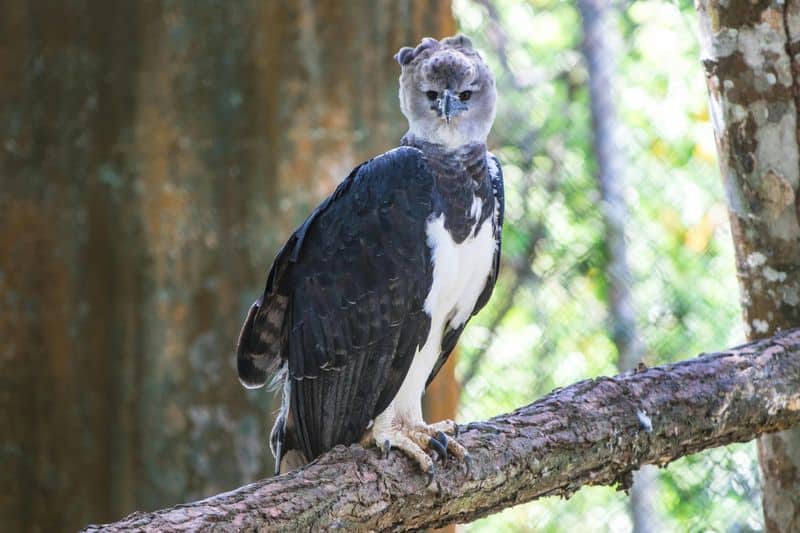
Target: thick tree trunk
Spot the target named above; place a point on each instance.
(599, 50)
(595, 432)
(750, 55)
(153, 155)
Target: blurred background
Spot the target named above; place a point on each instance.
(155, 154)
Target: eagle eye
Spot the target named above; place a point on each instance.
(432, 95)
(464, 95)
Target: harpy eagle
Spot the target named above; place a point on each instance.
(366, 300)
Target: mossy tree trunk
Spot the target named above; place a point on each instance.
(750, 56)
(153, 155)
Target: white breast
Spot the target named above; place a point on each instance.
(460, 273)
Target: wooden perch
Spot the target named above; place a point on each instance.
(595, 432)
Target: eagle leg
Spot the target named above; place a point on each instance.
(438, 431)
(445, 426)
(415, 439)
(412, 443)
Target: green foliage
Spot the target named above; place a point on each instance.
(550, 308)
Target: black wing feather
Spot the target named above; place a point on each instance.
(499, 196)
(355, 276)
(343, 304)
(450, 337)
(262, 345)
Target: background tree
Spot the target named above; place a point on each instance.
(753, 74)
(153, 155)
(600, 44)
(555, 330)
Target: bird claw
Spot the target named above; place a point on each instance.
(438, 446)
(468, 463)
(443, 440)
(417, 440)
(484, 426)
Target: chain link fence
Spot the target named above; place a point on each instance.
(550, 322)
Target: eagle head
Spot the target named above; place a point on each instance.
(447, 92)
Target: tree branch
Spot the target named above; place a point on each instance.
(595, 432)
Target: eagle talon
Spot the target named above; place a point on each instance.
(445, 426)
(387, 446)
(442, 439)
(484, 426)
(468, 463)
(431, 473)
(439, 447)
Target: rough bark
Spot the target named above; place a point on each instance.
(750, 55)
(153, 155)
(600, 51)
(595, 432)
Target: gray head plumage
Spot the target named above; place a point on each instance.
(447, 92)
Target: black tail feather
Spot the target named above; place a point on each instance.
(252, 368)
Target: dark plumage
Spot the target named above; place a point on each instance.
(349, 300)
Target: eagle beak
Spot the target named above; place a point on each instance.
(449, 105)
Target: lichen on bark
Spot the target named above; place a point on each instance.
(751, 62)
